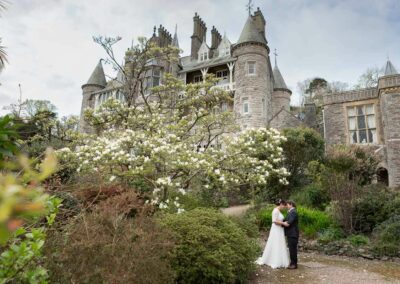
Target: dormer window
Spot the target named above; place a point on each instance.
(204, 56)
(203, 52)
(224, 48)
(224, 52)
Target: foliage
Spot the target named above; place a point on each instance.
(210, 248)
(21, 261)
(22, 228)
(248, 223)
(8, 137)
(311, 221)
(3, 54)
(345, 170)
(116, 241)
(387, 237)
(312, 196)
(358, 240)
(21, 197)
(302, 145)
(375, 205)
(330, 234)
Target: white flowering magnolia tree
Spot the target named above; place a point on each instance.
(179, 141)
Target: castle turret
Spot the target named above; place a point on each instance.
(253, 76)
(389, 97)
(280, 100)
(96, 82)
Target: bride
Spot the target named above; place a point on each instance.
(276, 252)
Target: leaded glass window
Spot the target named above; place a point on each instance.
(361, 124)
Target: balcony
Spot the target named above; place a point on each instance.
(226, 86)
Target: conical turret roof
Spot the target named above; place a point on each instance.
(279, 83)
(250, 33)
(98, 77)
(175, 41)
(390, 69)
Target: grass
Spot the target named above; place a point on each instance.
(311, 221)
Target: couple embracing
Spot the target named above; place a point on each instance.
(276, 252)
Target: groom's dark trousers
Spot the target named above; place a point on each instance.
(292, 234)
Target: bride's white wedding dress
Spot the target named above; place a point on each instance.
(276, 253)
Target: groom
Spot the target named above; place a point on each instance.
(291, 223)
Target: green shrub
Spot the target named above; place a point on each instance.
(376, 204)
(311, 221)
(312, 196)
(358, 240)
(302, 146)
(387, 237)
(248, 223)
(330, 234)
(264, 216)
(210, 247)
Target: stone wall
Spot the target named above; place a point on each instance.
(254, 87)
(87, 102)
(280, 108)
(390, 106)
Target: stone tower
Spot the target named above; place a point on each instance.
(253, 74)
(280, 101)
(389, 97)
(96, 82)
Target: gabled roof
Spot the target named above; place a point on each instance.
(390, 69)
(250, 33)
(98, 77)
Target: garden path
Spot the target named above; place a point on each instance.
(317, 268)
(236, 210)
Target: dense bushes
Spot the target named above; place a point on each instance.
(312, 196)
(311, 221)
(387, 237)
(112, 242)
(302, 146)
(210, 248)
(375, 205)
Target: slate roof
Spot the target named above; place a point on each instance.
(250, 33)
(196, 65)
(279, 83)
(98, 77)
(390, 69)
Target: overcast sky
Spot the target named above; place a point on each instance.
(51, 51)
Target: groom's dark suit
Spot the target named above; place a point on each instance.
(292, 234)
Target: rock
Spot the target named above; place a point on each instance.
(367, 256)
(385, 258)
(361, 250)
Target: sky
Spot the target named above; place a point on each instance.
(51, 52)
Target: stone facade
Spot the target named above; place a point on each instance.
(370, 118)
(252, 89)
(264, 91)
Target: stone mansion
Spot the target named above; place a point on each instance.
(260, 95)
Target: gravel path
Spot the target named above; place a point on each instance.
(236, 210)
(316, 268)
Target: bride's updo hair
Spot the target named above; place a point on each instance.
(280, 202)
